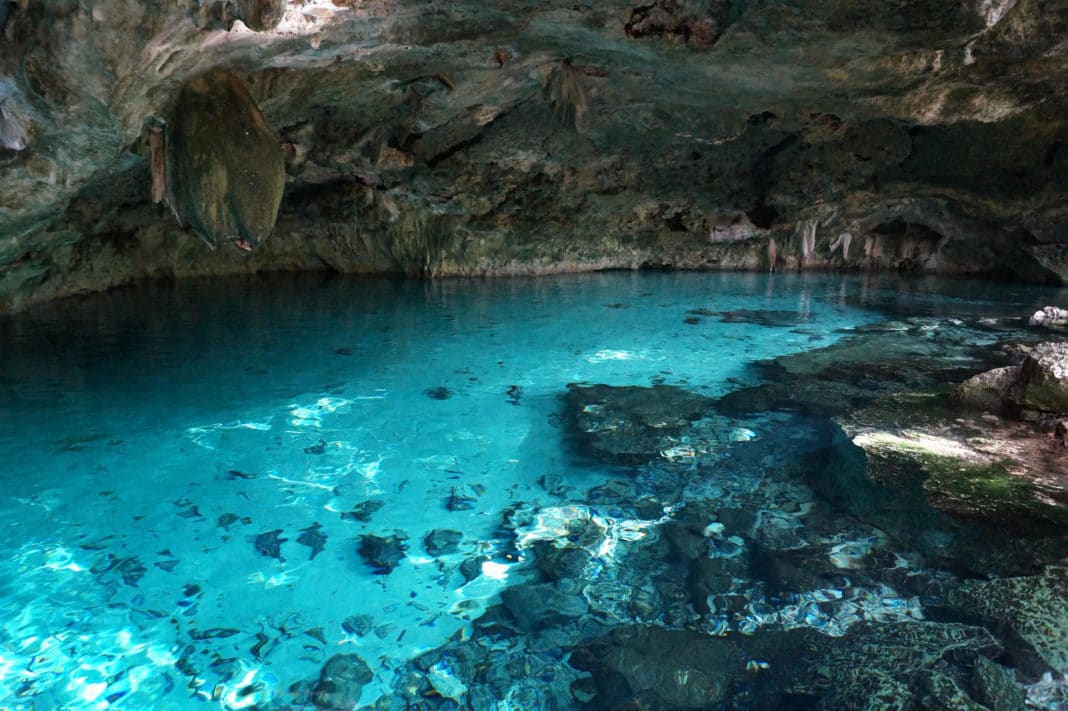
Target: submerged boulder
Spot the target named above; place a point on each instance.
(873, 666)
(1033, 607)
(341, 682)
(631, 425)
(383, 554)
(226, 170)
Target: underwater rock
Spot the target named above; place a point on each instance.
(316, 448)
(341, 682)
(537, 606)
(686, 669)
(675, 669)
(869, 690)
(313, 538)
(996, 686)
(1032, 607)
(225, 169)
(382, 553)
(630, 425)
(438, 393)
(358, 625)
(442, 541)
(363, 510)
(465, 497)
(763, 317)
(875, 362)
(560, 563)
(471, 568)
(270, 543)
(936, 690)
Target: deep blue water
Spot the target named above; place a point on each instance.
(165, 447)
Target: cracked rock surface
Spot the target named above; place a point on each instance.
(462, 138)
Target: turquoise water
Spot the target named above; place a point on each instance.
(187, 467)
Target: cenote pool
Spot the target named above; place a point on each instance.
(573, 492)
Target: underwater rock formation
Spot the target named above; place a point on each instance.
(1032, 607)
(225, 171)
(341, 683)
(629, 424)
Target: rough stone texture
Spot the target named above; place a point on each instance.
(996, 470)
(341, 682)
(630, 424)
(1044, 378)
(874, 666)
(1034, 390)
(225, 170)
(451, 137)
(1032, 607)
(991, 390)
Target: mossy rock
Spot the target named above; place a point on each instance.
(226, 171)
(918, 438)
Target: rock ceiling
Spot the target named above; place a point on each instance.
(508, 136)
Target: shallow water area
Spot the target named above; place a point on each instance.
(212, 488)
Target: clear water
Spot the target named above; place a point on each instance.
(150, 436)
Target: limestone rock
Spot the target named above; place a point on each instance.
(992, 390)
(382, 553)
(630, 424)
(997, 686)
(341, 682)
(538, 606)
(1033, 607)
(422, 138)
(1044, 377)
(1049, 316)
(261, 15)
(226, 170)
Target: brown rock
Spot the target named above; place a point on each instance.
(226, 170)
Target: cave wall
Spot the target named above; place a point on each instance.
(454, 138)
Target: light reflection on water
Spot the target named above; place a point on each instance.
(155, 436)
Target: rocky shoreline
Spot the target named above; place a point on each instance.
(814, 541)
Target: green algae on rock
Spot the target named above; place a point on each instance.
(226, 171)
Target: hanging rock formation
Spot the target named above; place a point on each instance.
(225, 172)
(452, 137)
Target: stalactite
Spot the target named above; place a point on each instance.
(158, 164)
(808, 240)
(567, 97)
